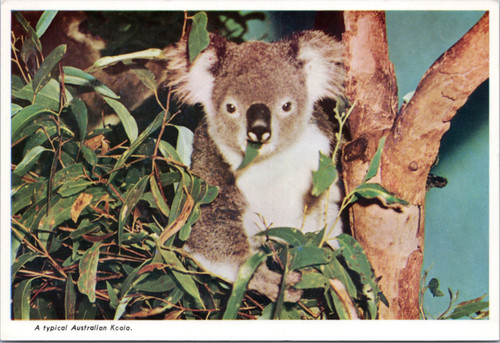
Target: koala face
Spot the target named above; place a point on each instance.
(254, 101)
(256, 91)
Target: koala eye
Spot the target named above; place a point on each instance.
(287, 106)
(230, 108)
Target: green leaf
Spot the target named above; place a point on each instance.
(158, 197)
(129, 123)
(468, 309)
(315, 238)
(73, 187)
(122, 306)
(374, 190)
(357, 261)
(77, 77)
(308, 256)
(292, 236)
(184, 144)
(71, 173)
(43, 74)
(434, 288)
(14, 108)
(29, 160)
(25, 117)
(146, 76)
(159, 284)
(251, 153)
(88, 272)
(21, 300)
(210, 195)
(375, 163)
(324, 176)
(44, 22)
(50, 95)
(312, 280)
(149, 130)
(131, 200)
(240, 285)
(79, 112)
(342, 312)
(89, 155)
(32, 36)
(43, 309)
(58, 213)
(113, 297)
(69, 299)
(21, 261)
(85, 227)
(107, 61)
(198, 36)
(86, 310)
(185, 281)
(169, 151)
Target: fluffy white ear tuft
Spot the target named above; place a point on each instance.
(192, 83)
(322, 56)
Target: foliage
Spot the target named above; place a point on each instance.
(472, 309)
(98, 220)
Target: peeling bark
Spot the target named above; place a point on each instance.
(394, 240)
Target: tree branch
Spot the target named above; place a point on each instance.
(413, 145)
(393, 240)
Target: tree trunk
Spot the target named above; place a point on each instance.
(394, 239)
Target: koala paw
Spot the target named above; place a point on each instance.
(268, 283)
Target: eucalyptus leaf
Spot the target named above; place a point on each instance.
(468, 309)
(375, 163)
(309, 256)
(108, 61)
(128, 122)
(146, 76)
(240, 285)
(292, 236)
(79, 112)
(48, 64)
(185, 281)
(25, 117)
(131, 200)
(251, 152)
(21, 261)
(14, 108)
(88, 272)
(184, 144)
(324, 176)
(155, 124)
(312, 280)
(198, 36)
(44, 22)
(77, 77)
(69, 299)
(29, 160)
(434, 288)
(374, 190)
(21, 300)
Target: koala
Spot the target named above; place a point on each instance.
(266, 93)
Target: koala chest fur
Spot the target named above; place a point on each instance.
(263, 93)
(276, 188)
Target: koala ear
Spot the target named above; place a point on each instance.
(322, 58)
(193, 82)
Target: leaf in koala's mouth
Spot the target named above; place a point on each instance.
(251, 153)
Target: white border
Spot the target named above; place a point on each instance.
(253, 330)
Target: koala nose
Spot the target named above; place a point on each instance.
(258, 123)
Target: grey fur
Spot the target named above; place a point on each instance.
(246, 74)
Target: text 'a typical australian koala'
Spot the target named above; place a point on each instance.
(264, 93)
